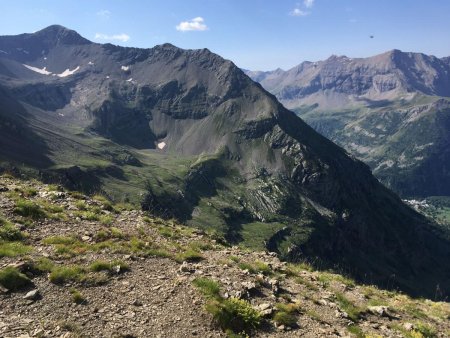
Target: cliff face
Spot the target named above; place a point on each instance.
(190, 136)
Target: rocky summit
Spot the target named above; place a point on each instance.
(390, 110)
(187, 135)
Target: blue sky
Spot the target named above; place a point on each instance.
(255, 34)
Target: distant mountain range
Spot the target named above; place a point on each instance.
(391, 110)
(189, 135)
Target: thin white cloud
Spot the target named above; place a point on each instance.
(308, 3)
(116, 37)
(196, 24)
(298, 12)
(104, 13)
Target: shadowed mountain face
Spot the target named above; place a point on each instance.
(189, 135)
(390, 110)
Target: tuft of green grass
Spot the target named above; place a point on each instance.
(425, 330)
(356, 330)
(106, 219)
(208, 287)
(284, 318)
(13, 279)
(44, 264)
(234, 314)
(9, 232)
(116, 233)
(235, 259)
(285, 314)
(29, 192)
(100, 265)
(13, 249)
(77, 296)
(81, 205)
(189, 256)
(256, 267)
(63, 274)
(29, 209)
(353, 311)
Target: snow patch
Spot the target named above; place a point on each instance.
(125, 68)
(107, 77)
(60, 114)
(68, 72)
(90, 63)
(161, 145)
(42, 71)
(2, 51)
(130, 79)
(45, 58)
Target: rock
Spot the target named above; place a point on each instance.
(274, 283)
(137, 302)
(378, 310)
(3, 290)
(382, 311)
(32, 295)
(85, 238)
(264, 306)
(408, 326)
(322, 302)
(186, 267)
(249, 286)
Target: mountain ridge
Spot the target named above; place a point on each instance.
(372, 107)
(188, 135)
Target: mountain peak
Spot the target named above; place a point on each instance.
(61, 35)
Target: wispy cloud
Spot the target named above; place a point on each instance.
(298, 12)
(104, 13)
(116, 37)
(302, 9)
(308, 3)
(196, 24)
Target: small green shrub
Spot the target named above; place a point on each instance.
(208, 287)
(234, 314)
(29, 209)
(63, 274)
(13, 279)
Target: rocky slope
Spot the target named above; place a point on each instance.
(85, 267)
(389, 110)
(188, 135)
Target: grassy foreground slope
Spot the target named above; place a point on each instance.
(111, 270)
